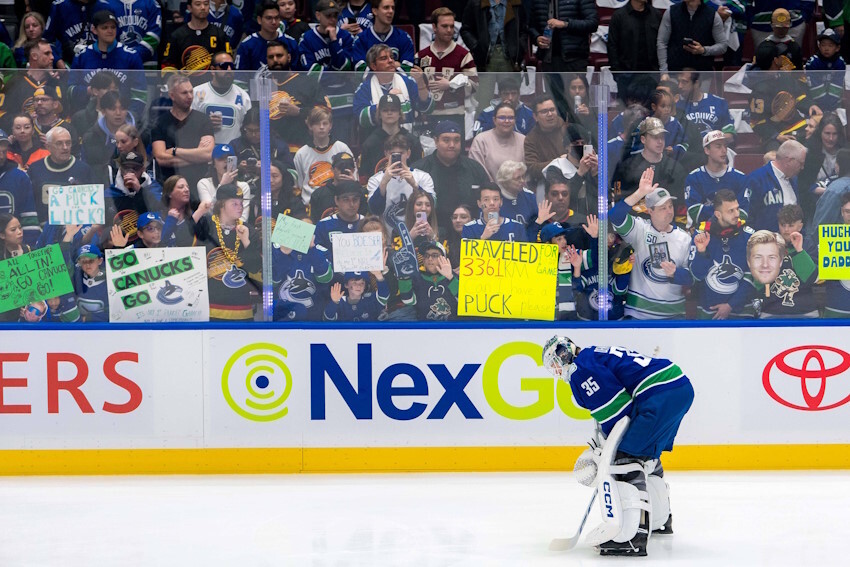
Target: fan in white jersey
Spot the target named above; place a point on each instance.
(222, 101)
(661, 253)
(313, 162)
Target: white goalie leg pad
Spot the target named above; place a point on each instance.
(659, 496)
(621, 506)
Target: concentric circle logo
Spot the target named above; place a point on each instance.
(797, 378)
(256, 382)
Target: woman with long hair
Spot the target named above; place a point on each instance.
(179, 226)
(420, 216)
(26, 147)
(128, 139)
(460, 216)
(821, 165)
(32, 28)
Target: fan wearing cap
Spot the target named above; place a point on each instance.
(251, 54)
(382, 79)
(434, 289)
(223, 102)
(133, 188)
(60, 167)
(233, 254)
(702, 183)
(389, 124)
(565, 304)
(149, 228)
(661, 253)
(313, 160)
(108, 53)
(827, 68)
(780, 21)
(668, 173)
(327, 47)
(300, 281)
(222, 174)
(89, 279)
(48, 105)
(357, 304)
(139, 25)
(16, 193)
(348, 198)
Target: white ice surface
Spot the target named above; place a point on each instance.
(417, 520)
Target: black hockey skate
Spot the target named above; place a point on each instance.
(666, 529)
(636, 547)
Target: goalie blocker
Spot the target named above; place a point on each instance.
(639, 403)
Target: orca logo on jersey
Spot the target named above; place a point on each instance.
(789, 377)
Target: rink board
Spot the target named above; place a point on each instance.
(154, 400)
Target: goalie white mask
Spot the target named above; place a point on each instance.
(558, 355)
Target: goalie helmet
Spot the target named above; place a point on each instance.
(558, 355)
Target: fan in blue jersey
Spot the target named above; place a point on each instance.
(89, 279)
(355, 19)
(251, 53)
(707, 111)
(615, 383)
(70, 23)
(326, 46)
(492, 225)
(826, 76)
(358, 304)
(139, 24)
(719, 261)
(111, 55)
(297, 277)
(383, 31)
(224, 16)
(702, 183)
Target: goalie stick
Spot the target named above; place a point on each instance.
(565, 544)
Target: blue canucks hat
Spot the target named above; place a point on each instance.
(89, 251)
(146, 219)
(551, 230)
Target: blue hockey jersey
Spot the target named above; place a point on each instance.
(523, 124)
(523, 210)
(709, 113)
(365, 17)
(400, 44)
(139, 24)
(369, 308)
(92, 299)
(16, 198)
(333, 225)
(318, 52)
(510, 231)
(366, 108)
(608, 380)
(701, 186)
(296, 278)
(251, 53)
(837, 301)
(121, 61)
(586, 286)
(70, 23)
(722, 269)
(766, 198)
(826, 81)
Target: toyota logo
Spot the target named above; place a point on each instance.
(791, 376)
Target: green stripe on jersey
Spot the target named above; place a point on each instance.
(656, 308)
(612, 408)
(626, 227)
(663, 376)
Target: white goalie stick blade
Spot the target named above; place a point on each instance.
(565, 544)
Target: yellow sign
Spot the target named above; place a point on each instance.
(507, 280)
(834, 252)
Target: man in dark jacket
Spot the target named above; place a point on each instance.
(496, 34)
(561, 29)
(632, 40)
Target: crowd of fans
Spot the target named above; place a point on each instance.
(430, 146)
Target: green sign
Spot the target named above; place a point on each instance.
(293, 233)
(39, 275)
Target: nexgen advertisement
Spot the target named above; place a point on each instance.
(394, 388)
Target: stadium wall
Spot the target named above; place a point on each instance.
(171, 399)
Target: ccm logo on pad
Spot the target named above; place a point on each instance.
(798, 377)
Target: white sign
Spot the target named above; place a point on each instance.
(153, 285)
(358, 252)
(76, 204)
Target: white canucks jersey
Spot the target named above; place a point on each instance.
(313, 167)
(233, 105)
(652, 295)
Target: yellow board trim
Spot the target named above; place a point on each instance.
(405, 459)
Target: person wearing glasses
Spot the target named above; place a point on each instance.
(545, 142)
(503, 143)
(225, 103)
